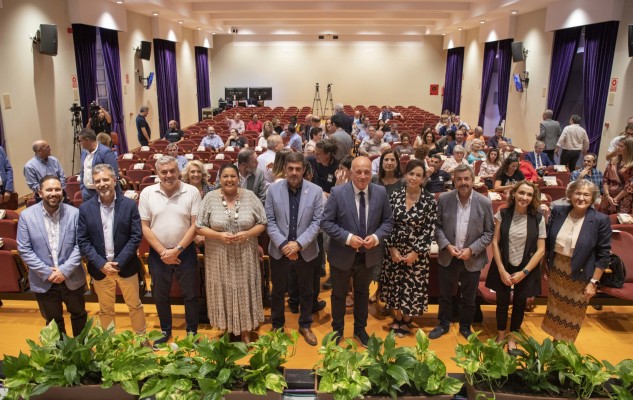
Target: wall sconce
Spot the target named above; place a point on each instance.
(525, 79)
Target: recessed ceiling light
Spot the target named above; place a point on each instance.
(181, 22)
(213, 33)
(483, 21)
(198, 28)
(119, 2)
(459, 29)
(443, 34)
(155, 13)
(514, 12)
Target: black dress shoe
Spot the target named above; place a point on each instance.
(465, 332)
(327, 285)
(293, 308)
(438, 331)
(338, 336)
(362, 337)
(320, 305)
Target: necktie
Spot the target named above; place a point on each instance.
(362, 219)
(538, 160)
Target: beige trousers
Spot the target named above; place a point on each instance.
(106, 292)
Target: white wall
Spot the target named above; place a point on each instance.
(471, 85)
(361, 73)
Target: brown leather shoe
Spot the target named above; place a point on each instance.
(309, 336)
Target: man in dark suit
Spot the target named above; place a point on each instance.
(538, 158)
(549, 132)
(357, 217)
(251, 177)
(93, 153)
(464, 230)
(108, 233)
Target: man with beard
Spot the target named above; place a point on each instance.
(109, 233)
(47, 244)
(462, 248)
(174, 134)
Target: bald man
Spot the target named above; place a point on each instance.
(42, 164)
(174, 134)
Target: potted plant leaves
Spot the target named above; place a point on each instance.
(67, 367)
(383, 371)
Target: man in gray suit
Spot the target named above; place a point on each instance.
(464, 230)
(549, 133)
(47, 244)
(293, 208)
(251, 177)
(357, 217)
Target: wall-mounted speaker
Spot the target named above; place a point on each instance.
(630, 40)
(517, 52)
(48, 39)
(146, 50)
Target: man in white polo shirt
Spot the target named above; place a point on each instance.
(168, 215)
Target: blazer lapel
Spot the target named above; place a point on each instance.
(302, 201)
(39, 220)
(586, 231)
(62, 230)
(286, 201)
(117, 215)
(351, 204)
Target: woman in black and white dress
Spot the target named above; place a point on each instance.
(405, 275)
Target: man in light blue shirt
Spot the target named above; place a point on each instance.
(172, 150)
(41, 165)
(212, 141)
(295, 144)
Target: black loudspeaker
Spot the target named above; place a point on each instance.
(630, 40)
(146, 50)
(48, 39)
(517, 52)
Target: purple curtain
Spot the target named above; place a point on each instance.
(599, 48)
(110, 47)
(503, 77)
(453, 79)
(85, 40)
(166, 83)
(490, 50)
(563, 52)
(202, 83)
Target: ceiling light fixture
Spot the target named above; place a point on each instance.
(181, 22)
(119, 2)
(483, 21)
(198, 28)
(459, 29)
(514, 12)
(155, 13)
(213, 33)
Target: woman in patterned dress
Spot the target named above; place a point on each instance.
(231, 219)
(578, 250)
(618, 180)
(405, 274)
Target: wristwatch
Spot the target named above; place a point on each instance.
(526, 271)
(180, 249)
(595, 282)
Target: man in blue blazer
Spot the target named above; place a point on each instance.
(538, 158)
(293, 209)
(108, 233)
(357, 217)
(464, 230)
(6, 177)
(47, 244)
(93, 153)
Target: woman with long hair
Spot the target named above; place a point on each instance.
(267, 130)
(389, 173)
(194, 174)
(278, 164)
(518, 245)
(508, 174)
(488, 169)
(618, 180)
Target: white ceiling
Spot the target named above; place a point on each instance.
(346, 18)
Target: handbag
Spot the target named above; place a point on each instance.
(615, 274)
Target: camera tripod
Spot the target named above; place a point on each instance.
(329, 101)
(77, 123)
(316, 102)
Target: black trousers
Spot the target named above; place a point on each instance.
(304, 273)
(50, 304)
(293, 290)
(550, 154)
(570, 158)
(449, 277)
(162, 279)
(519, 300)
(142, 141)
(361, 276)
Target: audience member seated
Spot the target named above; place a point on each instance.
(267, 130)
(477, 133)
(438, 180)
(508, 174)
(476, 152)
(488, 169)
(266, 159)
(174, 134)
(458, 158)
(387, 115)
(538, 158)
(618, 180)
(375, 146)
(295, 143)
(212, 141)
(104, 139)
(494, 141)
(405, 145)
(235, 140)
(316, 135)
(172, 151)
(251, 177)
(460, 140)
(589, 171)
(390, 134)
(528, 171)
(457, 121)
(254, 124)
(236, 123)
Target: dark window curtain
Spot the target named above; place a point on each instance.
(202, 83)
(599, 48)
(166, 83)
(85, 41)
(110, 47)
(453, 79)
(503, 77)
(563, 52)
(490, 50)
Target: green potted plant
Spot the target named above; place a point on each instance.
(263, 376)
(65, 367)
(384, 371)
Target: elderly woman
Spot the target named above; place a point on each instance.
(194, 174)
(518, 245)
(231, 219)
(508, 174)
(578, 250)
(618, 180)
(476, 152)
(405, 275)
(458, 158)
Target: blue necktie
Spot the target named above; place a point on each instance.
(362, 218)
